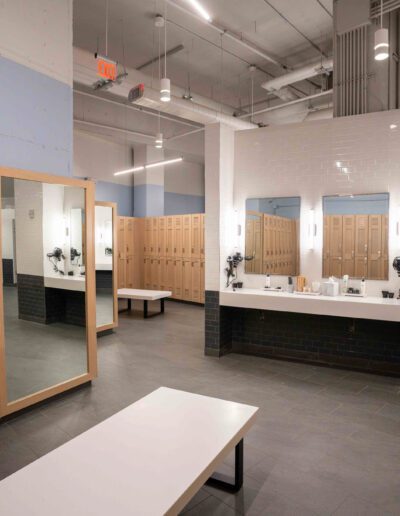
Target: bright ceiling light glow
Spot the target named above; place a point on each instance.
(393, 126)
(381, 44)
(159, 141)
(165, 90)
(339, 164)
(345, 170)
(149, 165)
(200, 9)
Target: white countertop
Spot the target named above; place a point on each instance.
(368, 307)
(149, 459)
(104, 266)
(65, 282)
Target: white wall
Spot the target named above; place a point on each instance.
(184, 178)
(54, 224)
(103, 234)
(7, 238)
(299, 160)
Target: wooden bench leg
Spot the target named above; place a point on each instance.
(225, 485)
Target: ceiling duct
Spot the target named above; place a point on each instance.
(279, 84)
(387, 7)
(201, 110)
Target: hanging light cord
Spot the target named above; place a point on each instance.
(381, 14)
(106, 28)
(165, 38)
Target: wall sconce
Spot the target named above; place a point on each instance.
(311, 229)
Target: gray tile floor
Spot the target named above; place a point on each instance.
(326, 442)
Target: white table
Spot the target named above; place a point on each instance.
(145, 296)
(149, 459)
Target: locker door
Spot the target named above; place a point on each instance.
(155, 248)
(162, 272)
(375, 247)
(335, 245)
(147, 274)
(186, 236)
(178, 278)
(249, 245)
(196, 281)
(361, 247)
(129, 272)
(170, 240)
(155, 273)
(147, 237)
(121, 253)
(169, 270)
(267, 245)
(257, 246)
(348, 244)
(385, 251)
(178, 236)
(326, 250)
(129, 236)
(186, 279)
(137, 265)
(202, 237)
(162, 236)
(202, 282)
(196, 235)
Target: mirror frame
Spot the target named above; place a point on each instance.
(113, 206)
(6, 407)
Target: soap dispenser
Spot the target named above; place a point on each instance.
(267, 281)
(363, 288)
(290, 287)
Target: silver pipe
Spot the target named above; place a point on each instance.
(113, 128)
(184, 134)
(291, 103)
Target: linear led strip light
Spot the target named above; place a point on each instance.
(200, 9)
(148, 165)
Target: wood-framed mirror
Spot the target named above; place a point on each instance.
(106, 265)
(47, 299)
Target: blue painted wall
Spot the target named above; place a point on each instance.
(148, 200)
(179, 204)
(113, 192)
(374, 204)
(35, 120)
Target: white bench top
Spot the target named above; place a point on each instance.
(149, 459)
(145, 295)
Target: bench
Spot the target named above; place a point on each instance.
(145, 296)
(148, 459)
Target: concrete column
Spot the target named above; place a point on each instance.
(219, 233)
(148, 196)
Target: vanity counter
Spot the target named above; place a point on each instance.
(77, 283)
(374, 308)
(104, 266)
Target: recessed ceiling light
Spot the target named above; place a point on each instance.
(393, 126)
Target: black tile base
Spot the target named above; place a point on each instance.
(8, 272)
(218, 327)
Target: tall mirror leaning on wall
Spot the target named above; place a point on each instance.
(356, 236)
(272, 235)
(43, 242)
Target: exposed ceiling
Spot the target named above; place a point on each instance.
(293, 32)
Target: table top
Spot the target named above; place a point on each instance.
(149, 459)
(146, 295)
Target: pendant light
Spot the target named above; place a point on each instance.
(165, 83)
(381, 41)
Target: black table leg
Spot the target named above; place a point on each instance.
(161, 305)
(228, 486)
(145, 309)
(129, 305)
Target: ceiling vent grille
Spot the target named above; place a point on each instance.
(388, 6)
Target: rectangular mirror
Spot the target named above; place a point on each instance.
(46, 319)
(356, 236)
(272, 236)
(106, 273)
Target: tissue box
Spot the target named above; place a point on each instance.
(330, 288)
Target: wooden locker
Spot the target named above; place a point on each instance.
(326, 250)
(196, 281)
(257, 246)
(129, 272)
(147, 273)
(162, 273)
(202, 236)
(154, 249)
(267, 245)
(169, 271)
(249, 244)
(186, 236)
(196, 235)
(170, 240)
(177, 292)
(361, 246)
(186, 279)
(162, 236)
(375, 247)
(155, 273)
(147, 244)
(178, 219)
(137, 271)
(336, 245)
(129, 235)
(348, 245)
(385, 250)
(202, 282)
(121, 253)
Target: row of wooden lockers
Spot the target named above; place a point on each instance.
(172, 236)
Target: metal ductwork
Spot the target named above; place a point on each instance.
(202, 110)
(278, 84)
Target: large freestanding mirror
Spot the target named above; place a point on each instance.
(272, 235)
(47, 313)
(106, 265)
(356, 236)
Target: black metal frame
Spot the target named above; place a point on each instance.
(146, 314)
(219, 483)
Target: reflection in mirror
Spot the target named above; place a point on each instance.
(272, 235)
(43, 288)
(356, 236)
(104, 265)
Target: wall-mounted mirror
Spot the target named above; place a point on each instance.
(106, 265)
(356, 236)
(47, 340)
(272, 235)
